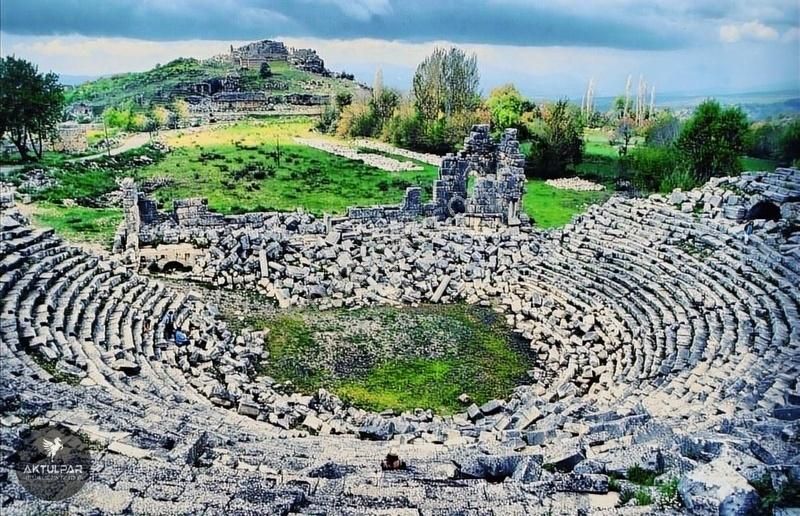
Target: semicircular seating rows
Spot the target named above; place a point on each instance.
(689, 324)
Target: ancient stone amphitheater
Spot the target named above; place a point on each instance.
(667, 330)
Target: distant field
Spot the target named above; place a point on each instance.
(256, 166)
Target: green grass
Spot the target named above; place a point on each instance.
(552, 207)
(256, 166)
(476, 355)
(788, 495)
(78, 223)
(641, 476)
(749, 163)
(49, 159)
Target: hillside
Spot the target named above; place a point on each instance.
(177, 79)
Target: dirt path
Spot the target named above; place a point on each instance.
(132, 142)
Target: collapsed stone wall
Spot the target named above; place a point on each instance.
(69, 137)
(497, 198)
(411, 208)
(499, 169)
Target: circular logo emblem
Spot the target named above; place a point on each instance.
(53, 462)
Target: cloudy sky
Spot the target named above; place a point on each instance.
(547, 48)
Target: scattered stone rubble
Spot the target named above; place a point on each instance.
(652, 355)
(575, 183)
(431, 159)
(350, 152)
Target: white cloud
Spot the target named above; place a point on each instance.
(548, 71)
(752, 30)
(792, 34)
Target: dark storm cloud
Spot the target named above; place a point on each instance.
(503, 22)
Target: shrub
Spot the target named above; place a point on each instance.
(788, 494)
(356, 120)
(328, 120)
(650, 165)
(668, 493)
(641, 476)
(556, 141)
(764, 140)
(713, 139)
(790, 143)
(678, 178)
(643, 496)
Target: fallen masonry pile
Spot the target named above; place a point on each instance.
(669, 341)
(431, 159)
(373, 160)
(575, 183)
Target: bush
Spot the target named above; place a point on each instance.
(556, 141)
(790, 143)
(643, 497)
(677, 178)
(668, 493)
(764, 140)
(641, 476)
(356, 120)
(787, 495)
(649, 166)
(713, 139)
(328, 120)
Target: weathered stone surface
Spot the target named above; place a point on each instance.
(716, 488)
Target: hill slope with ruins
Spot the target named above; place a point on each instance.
(230, 81)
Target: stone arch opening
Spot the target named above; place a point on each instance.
(169, 266)
(456, 205)
(764, 210)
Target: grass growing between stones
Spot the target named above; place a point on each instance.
(79, 223)
(257, 166)
(552, 207)
(397, 358)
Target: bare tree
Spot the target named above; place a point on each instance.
(377, 84)
(446, 81)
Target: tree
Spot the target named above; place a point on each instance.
(31, 105)
(265, 71)
(342, 99)
(160, 116)
(624, 133)
(377, 84)
(790, 142)
(713, 139)
(181, 110)
(620, 106)
(507, 107)
(117, 117)
(556, 140)
(446, 82)
(664, 130)
(383, 105)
